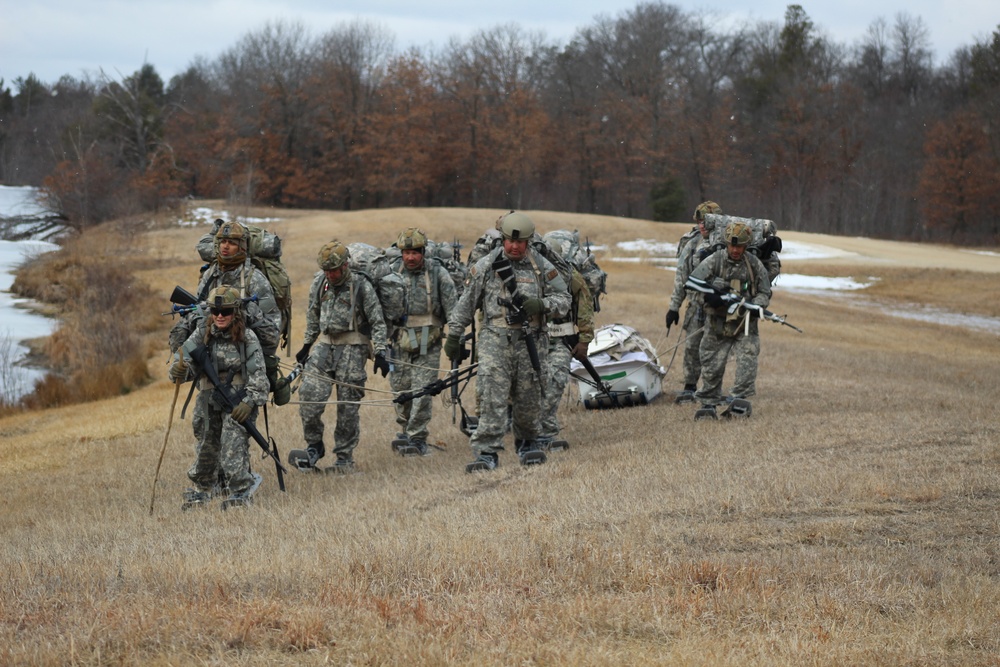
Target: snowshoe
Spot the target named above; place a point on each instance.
(305, 459)
(529, 453)
(558, 445)
(400, 442)
(705, 412)
(469, 423)
(415, 448)
(484, 462)
(740, 407)
(194, 498)
(343, 466)
(243, 498)
(684, 397)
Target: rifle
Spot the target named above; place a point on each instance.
(515, 310)
(598, 382)
(734, 301)
(456, 399)
(184, 302)
(228, 398)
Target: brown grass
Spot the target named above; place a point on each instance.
(851, 521)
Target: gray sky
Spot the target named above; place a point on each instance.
(56, 37)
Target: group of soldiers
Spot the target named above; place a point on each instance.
(532, 309)
(533, 313)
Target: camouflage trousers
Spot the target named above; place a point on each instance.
(418, 371)
(223, 445)
(556, 377)
(504, 373)
(694, 323)
(716, 348)
(343, 363)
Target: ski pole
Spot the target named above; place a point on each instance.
(170, 422)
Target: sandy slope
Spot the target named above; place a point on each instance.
(897, 254)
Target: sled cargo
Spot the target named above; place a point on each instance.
(626, 362)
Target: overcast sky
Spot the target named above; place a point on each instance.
(55, 37)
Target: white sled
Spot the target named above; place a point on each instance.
(626, 362)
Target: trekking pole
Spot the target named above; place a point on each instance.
(170, 422)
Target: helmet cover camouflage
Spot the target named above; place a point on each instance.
(412, 239)
(224, 296)
(233, 231)
(706, 207)
(738, 233)
(333, 255)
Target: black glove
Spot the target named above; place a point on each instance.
(303, 354)
(714, 300)
(673, 317)
(453, 347)
(381, 363)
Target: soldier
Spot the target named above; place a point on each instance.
(734, 272)
(516, 289)
(430, 299)
(344, 320)
(569, 336)
(232, 267)
(239, 360)
(688, 258)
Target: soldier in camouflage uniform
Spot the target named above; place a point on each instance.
(505, 368)
(731, 269)
(694, 317)
(430, 299)
(569, 337)
(232, 267)
(344, 320)
(239, 360)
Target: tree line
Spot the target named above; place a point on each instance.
(643, 114)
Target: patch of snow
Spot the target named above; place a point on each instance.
(204, 215)
(796, 250)
(988, 253)
(19, 200)
(799, 282)
(648, 246)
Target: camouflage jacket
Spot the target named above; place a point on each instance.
(483, 289)
(239, 364)
(352, 306)
(581, 312)
(747, 277)
(430, 291)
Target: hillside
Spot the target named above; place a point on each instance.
(852, 520)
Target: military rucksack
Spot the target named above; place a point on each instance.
(567, 244)
(445, 253)
(264, 252)
(372, 262)
(692, 235)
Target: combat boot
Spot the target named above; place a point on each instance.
(484, 462)
(529, 453)
(686, 395)
(344, 464)
(195, 498)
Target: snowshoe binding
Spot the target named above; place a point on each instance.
(415, 447)
(305, 459)
(738, 408)
(243, 498)
(529, 453)
(558, 445)
(400, 442)
(684, 397)
(706, 411)
(194, 498)
(483, 463)
(343, 466)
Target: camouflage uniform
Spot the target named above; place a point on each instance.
(223, 444)
(694, 317)
(430, 298)
(580, 326)
(726, 334)
(505, 371)
(344, 322)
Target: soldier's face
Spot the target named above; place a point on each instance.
(334, 275)
(703, 229)
(735, 251)
(515, 249)
(413, 259)
(222, 317)
(228, 247)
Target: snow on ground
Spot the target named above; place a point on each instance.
(204, 215)
(19, 200)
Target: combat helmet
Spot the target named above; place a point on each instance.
(233, 231)
(705, 208)
(412, 239)
(334, 255)
(224, 297)
(517, 226)
(738, 233)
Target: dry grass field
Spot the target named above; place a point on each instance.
(852, 521)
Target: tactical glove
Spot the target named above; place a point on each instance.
(381, 363)
(714, 300)
(580, 351)
(302, 355)
(178, 370)
(673, 317)
(453, 347)
(241, 412)
(533, 307)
